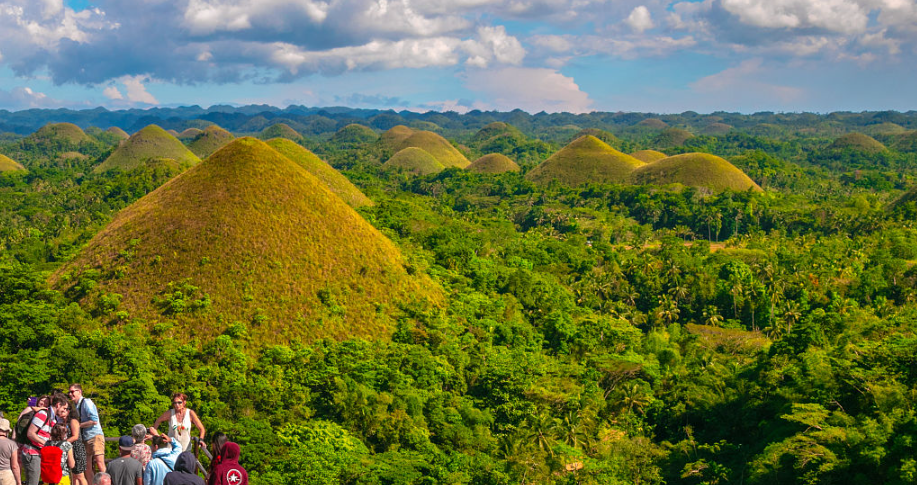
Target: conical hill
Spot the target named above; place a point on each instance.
(653, 123)
(648, 156)
(435, 145)
(209, 140)
(495, 129)
(149, 143)
(248, 237)
(393, 137)
(857, 142)
(118, 132)
(905, 142)
(57, 133)
(603, 135)
(354, 134)
(695, 170)
(587, 159)
(493, 163)
(333, 179)
(7, 164)
(189, 133)
(280, 130)
(672, 137)
(414, 160)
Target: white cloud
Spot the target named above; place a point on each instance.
(628, 47)
(532, 89)
(639, 19)
(746, 81)
(845, 16)
(24, 97)
(204, 17)
(112, 93)
(136, 91)
(493, 44)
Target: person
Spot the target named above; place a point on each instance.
(185, 472)
(229, 471)
(90, 430)
(180, 419)
(101, 479)
(165, 452)
(77, 473)
(33, 406)
(59, 439)
(9, 456)
(125, 470)
(38, 432)
(141, 451)
(217, 441)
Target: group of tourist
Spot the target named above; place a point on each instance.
(62, 443)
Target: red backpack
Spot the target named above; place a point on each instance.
(51, 471)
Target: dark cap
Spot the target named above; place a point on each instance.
(126, 443)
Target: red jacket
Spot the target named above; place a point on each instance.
(229, 471)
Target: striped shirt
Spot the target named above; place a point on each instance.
(44, 420)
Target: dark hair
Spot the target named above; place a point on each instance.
(57, 399)
(179, 394)
(217, 441)
(77, 386)
(59, 432)
(43, 397)
(161, 440)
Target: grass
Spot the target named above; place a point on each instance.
(7, 164)
(414, 160)
(695, 170)
(884, 129)
(493, 130)
(248, 238)
(717, 129)
(672, 137)
(648, 156)
(354, 134)
(437, 146)
(189, 133)
(906, 142)
(603, 135)
(425, 125)
(118, 132)
(654, 123)
(67, 132)
(332, 179)
(493, 163)
(586, 159)
(280, 130)
(857, 142)
(393, 137)
(209, 140)
(148, 143)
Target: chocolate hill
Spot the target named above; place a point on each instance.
(209, 140)
(148, 144)
(695, 170)
(333, 179)
(648, 156)
(280, 130)
(354, 134)
(414, 160)
(7, 164)
(493, 163)
(585, 160)
(118, 133)
(58, 135)
(857, 142)
(248, 236)
(393, 137)
(435, 145)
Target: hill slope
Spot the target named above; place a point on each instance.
(248, 236)
(280, 130)
(118, 132)
(354, 134)
(209, 140)
(435, 145)
(695, 170)
(586, 159)
(497, 128)
(857, 142)
(648, 156)
(333, 179)
(493, 163)
(393, 137)
(414, 160)
(603, 135)
(672, 137)
(149, 143)
(7, 164)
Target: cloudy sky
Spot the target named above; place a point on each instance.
(553, 55)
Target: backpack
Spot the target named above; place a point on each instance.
(22, 426)
(51, 471)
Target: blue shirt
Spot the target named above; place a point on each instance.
(161, 463)
(89, 412)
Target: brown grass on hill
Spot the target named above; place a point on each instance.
(493, 163)
(354, 134)
(393, 137)
(654, 123)
(648, 156)
(414, 160)
(209, 140)
(585, 160)
(66, 132)
(603, 135)
(333, 179)
(857, 142)
(189, 133)
(148, 143)
(672, 137)
(280, 130)
(118, 132)
(7, 164)
(436, 145)
(695, 170)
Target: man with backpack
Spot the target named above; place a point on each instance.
(37, 432)
(9, 458)
(90, 430)
(165, 453)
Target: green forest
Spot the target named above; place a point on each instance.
(575, 333)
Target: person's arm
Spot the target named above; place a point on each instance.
(139, 481)
(197, 422)
(14, 466)
(147, 474)
(176, 450)
(70, 461)
(160, 420)
(32, 434)
(74, 431)
(92, 413)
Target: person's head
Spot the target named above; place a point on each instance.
(43, 401)
(5, 429)
(64, 412)
(126, 445)
(101, 479)
(179, 399)
(161, 441)
(231, 451)
(59, 402)
(59, 433)
(75, 392)
(138, 432)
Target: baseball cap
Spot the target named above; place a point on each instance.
(126, 443)
(5, 425)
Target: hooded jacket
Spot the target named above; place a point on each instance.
(162, 462)
(185, 473)
(229, 471)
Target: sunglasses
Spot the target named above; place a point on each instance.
(71, 392)
(178, 402)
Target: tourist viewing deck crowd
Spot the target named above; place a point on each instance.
(59, 440)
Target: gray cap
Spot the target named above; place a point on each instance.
(5, 425)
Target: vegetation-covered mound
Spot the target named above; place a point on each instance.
(717, 129)
(435, 145)
(648, 156)
(189, 133)
(492, 130)
(672, 137)
(247, 236)
(857, 142)
(148, 143)
(173, 133)
(906, 142)
(695, 170)
(493, 163)
(654, 123)
(118, 132)
(603, 135)
(393, 137)
(58, 133)
(7, 164)
(280, 130)
(884, 129)
(333, 179)
(414, 160)
(354, 134)
(209, 140)
(585, 160)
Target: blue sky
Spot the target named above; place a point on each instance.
(553, 55)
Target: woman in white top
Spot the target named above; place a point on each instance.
(180, 420)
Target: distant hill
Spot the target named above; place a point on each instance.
(393, 137)
(149, 143)
(354, 134)
(189, 133)
(173, 133)
(280, 130)
(603, 135)
(492, 130)
(333, 179)
(7, 164)
(209, 140)
(648, 156)
(857, 142)
(905, 142)
(437, 146)
(695, 170)
(58, 133)
(654, 123)
(883, 129)
(414, 160)
(248, 238)
(586, 159)
(118, 132)
(493, 163)
(717, 129)
(672, 137)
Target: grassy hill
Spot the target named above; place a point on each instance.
(148, 143)
(118, 132)
(695, 170)
(437, 146)
(905, 142)
(209, 140)
(247, 239)
(333, 179)
(586, 159)
(354, 134)
(672, 137)
(717, 129)
(883, 129)
(280, 130)
(189, 133)
(414, 160)
(59, 133)
(653, 123)
(857, 142)
(7, 164)
(492, 130)
(603, 135)
(493, 163)
(648, 156)
(393, 137)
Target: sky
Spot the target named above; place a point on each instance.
(536, 55)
